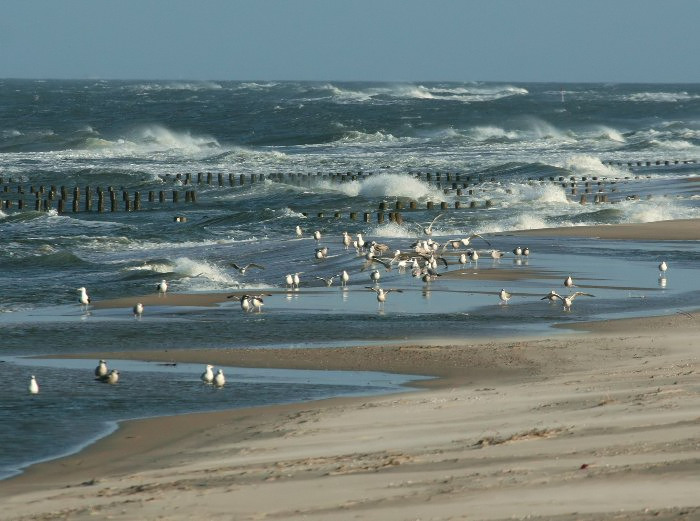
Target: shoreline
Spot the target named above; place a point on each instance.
(672, 230)
(605, 410)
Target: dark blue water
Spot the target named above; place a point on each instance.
(506, 141)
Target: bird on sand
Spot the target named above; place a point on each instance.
(569, 300)
(33, 385)
(242, 269)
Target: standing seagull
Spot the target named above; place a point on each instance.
(382, 294)
(317, 235)
(101, 369)
(84, 299)
(219, 379)
(568, 301)
(344, 278)
(162, 287)
(662, 268)
(111, 378)
(298, 231)
(375, 276)
(296, 280)
(257, 302)
(504, 296)
(138, 310)
(245, 303)
(569, 282)
(33, 386)
(208, 375)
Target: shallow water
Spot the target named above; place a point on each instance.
(507, 143)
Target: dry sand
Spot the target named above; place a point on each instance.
(596, 425)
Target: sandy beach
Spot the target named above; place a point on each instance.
(595, 424)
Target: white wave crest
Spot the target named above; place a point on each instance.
(590, 166)
(391, 229)
(176, 85)
(662, 97)
(611, 134)
(676, 144)
(542, 194)
(202, 275)
(492, 132)
(657, 209)
(387, 185)
(357, 137)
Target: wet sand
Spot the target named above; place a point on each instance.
(597, 424)
(677, 230)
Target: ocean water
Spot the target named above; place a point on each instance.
(510, 144)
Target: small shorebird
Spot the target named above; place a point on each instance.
(382, 293)
(84, 299)
(219, 379)
(101, 368)
(662, 268)
(569, 300)
(504, 296)
(208, 375)
(33, 385)
(242, 269)
(138, 310)
(162, 287)
(569, 282)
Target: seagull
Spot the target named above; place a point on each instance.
(570, 299)
(463, 259)
(526, 251)
(111, 378)
(162, 287)
(84, 299)
(347, 240)
(322, 253)
(344, 278)
(551, 296)
(245, 303)
(496, 254)
(208, 376)
(360, 242)
(219, 379)
(569, 282)
(474, 256)
(663, 267)
(257, 302)
(289, 281)
(375, 276)
(242, 269)
(317, 235)
(467, 240)
(429, 229)
(298, 231)
(517, 251)
(101, 369)
(382, 293)
(138, 310)
(504, 296)
(33, 386)
(327, 281)
(295, 280)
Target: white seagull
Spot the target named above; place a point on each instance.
(298, 231)
(569, 282)
(347, 240)
(382, 293)
(429, 229)
(344, 278)
(569, 300)
(296, 280)
(138, 310)
(84, 299)
(467, 240)
(375, 276)
(317, 235)
(111, 378)
(162, 287)
(219, 379)
(245, 303)
(328, 281)
(33, 386)
(101, 369)
(289, 281)
(517, 251)
(504, 296)
(257, 302)
(242, 269)
(663, 267)
(208, 375)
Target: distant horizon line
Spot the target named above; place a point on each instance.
(541, 82)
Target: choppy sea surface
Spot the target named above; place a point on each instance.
(510, 149)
